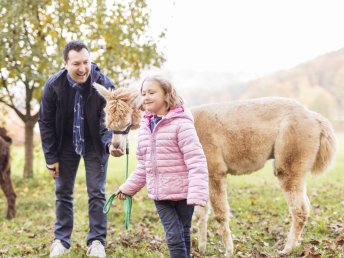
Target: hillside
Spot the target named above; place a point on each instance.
(319, 84)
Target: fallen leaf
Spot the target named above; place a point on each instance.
(314, 242)
(340, 240)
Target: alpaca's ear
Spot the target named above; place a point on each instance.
(137, 101)
(134, 96)
(3, 134)
(102, 91)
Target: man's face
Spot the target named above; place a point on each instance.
(78, 65)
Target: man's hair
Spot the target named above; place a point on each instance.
(73, 45)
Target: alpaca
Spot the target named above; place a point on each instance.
(241, 136)
(238, 138)
(5, 172)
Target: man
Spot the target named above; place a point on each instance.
(71, 124)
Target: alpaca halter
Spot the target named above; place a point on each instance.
(126, 131)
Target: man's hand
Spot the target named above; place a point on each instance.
(115, 152)
(54, 169)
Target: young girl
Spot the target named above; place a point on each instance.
(171, 162)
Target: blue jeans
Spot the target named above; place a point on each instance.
(176, 218)
(95, 181)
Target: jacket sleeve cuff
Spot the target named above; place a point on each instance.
(126, 191)
(51, 160)
(107, 148)
(196, 202)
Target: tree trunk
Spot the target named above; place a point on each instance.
(28, 166)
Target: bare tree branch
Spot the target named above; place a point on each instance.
(20, 114)
(11, 104)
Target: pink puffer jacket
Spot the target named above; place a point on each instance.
(171, 160)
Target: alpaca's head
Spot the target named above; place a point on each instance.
(122, 112)
(3, 134)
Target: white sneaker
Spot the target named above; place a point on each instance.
(96, 249)
(57, 249)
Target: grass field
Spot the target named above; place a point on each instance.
(260, 220)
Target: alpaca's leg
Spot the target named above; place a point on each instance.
(201, 216)
(295, 149)
(219, 203)
(7, 187)
(295, 193)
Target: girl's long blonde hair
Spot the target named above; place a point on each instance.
(173, 100)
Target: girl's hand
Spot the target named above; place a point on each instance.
(120, 195)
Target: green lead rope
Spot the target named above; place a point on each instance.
(128, 203)
(127, 206)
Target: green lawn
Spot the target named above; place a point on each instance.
(260, 220)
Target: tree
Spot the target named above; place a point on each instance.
(33, 34)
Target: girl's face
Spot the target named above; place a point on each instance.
(154, 98)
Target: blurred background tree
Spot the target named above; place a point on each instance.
(33, 34)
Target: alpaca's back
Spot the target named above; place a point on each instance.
(247, 131)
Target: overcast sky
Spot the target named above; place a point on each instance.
(246, 36)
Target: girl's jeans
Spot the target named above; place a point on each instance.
(176, 218)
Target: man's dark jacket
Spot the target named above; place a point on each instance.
(52, 114)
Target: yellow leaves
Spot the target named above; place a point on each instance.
(114, 26)
(34, 193)
(251, 216)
